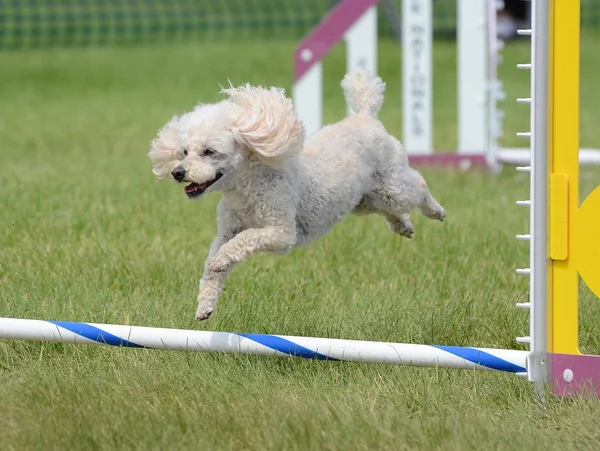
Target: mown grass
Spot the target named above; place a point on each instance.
(88, 234)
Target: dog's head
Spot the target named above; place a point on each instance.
(207, 146)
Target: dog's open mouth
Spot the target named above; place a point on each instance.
(194, 190)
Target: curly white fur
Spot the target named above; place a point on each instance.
(268, 127)
(163, 149)
(363, 93)
(278, 190)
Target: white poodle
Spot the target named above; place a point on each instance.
(279, 191)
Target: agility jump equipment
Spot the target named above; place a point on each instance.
(478, 87)
(262, 344)
(563, 244)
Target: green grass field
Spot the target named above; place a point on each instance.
(88, 234)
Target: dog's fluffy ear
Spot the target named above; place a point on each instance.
(163, 149)
(268, 125)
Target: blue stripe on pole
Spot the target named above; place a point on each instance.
(95, 334)
(285, 346)
(482, 358)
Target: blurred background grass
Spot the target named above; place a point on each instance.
(68, 23)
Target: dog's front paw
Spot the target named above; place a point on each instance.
(405, 229)
(402, 226)
(440, 215)
(205, 309)
(219, 263)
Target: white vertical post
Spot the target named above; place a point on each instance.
(538, 368)
(361, 44)
(308, 98)
(417, 76)
(472, 77)
(495, 92)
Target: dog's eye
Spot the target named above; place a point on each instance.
(209, 152)
(185, 152)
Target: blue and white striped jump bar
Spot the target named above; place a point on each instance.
(260, 344)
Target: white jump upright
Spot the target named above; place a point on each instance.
(472, 80)
(308, 94)
(355, 21)
(352, 20)
(478, 87)
(495, 91)
(417, 76)
(361, 44)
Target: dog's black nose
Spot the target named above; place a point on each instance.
(178, 173)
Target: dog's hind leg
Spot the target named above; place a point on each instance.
(397, 195)
(397, 223)
(400, 224)
(406, 191)
(426, 204)
(431, 208)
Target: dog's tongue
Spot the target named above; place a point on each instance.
(193, 187)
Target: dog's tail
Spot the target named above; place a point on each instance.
(363, 91)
